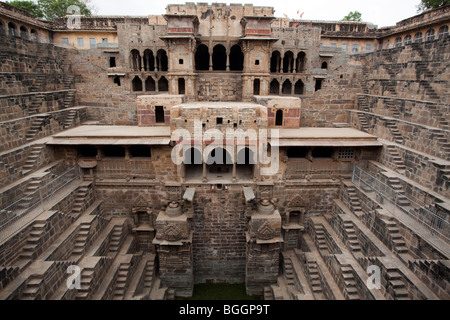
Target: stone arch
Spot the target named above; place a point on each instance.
(219, 57)
(398, 42)
(246, 156)
(12, 30)
(150, 84)
(34, 35)
(23, 32)
(162, 60)
(193, 156)
(418, 37)
(287, 87)
(430, 35)
(236, 58)
(443, 32)
(275, 61)
(136, 84)
(163, 84)
(135, 60)
(149, 60)
(202, 58)
(408, 39)
(301, 61)
(325, 65)
(219, 156)
(288, 62)
(274, 87)
(299, 88)
(2, 27)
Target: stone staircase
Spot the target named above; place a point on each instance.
(80, 200)
(443, 143)
(29, 251)
(69, 80)
(29, 194)
(353, 242)
(35, 104)
(288, 271)
(350, 291)
(395, 184)
(436, 113)
(363, 121)
(32, 288)
(355, 203)
(36, 126)
(396, 159)
(392, 126)
(320, 239)
(121, 281)
(69, 99)
(314, 277)
(399, 245)
(80, 241)
(397, 286)
(390, 104)
(30, 163)
(116, 239)
(87, 275)
(68, 122)
(268, 294)
(363, 104)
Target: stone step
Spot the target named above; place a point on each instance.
(393, 275)
(401, 293)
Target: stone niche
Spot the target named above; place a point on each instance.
(263, 247)
(174, 246)
(284, 110)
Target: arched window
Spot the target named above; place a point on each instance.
(398, 42)
(301, 62)
(429, 36)
(193, 157)
(287, 87)
(256, 87)
(275, 61)
(236, 58)
(181, 86)
(34, 36)
(443, 32)
(279, 118)
(2, 28)
(299, 87)
(408, 39)
(288, 62)
(418, 37)
(202, 58)
(162, 60)
(163, 85)
(246, 157)
(136, 84)
(135, 60)
(117, 81)
(219, 57)
(324, 65)
(23, 33)
(149, 60)
(219, 156)
(274, 87)
(12, 30)
(150, 84)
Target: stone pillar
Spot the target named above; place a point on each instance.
(205, 177)
(156, 63)
(127, 153)
(263, 248)
(210, 61)
(174, 244)
(228, 61)
(281, 65)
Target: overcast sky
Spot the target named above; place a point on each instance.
(379, 12)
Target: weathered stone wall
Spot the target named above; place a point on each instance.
(219, 87)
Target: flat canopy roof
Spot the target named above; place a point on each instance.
(325, 137)
(113, 135)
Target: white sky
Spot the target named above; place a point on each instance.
(379, 12)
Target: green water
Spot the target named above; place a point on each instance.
(220, 292)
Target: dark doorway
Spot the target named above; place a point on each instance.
(137, 84)
(162, 60)
(274, 87)
(279, 118)
(299, 88)
(159, 114)
(112, 62)
(181, 86)
(256, 87)
(150, 84)
(163, 85)
(202, 58)
(318, 84)
(301, 62)
(275, 61)
(236, 58)
(219, 58)
(287, 87)
(149, 60)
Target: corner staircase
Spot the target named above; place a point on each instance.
(33, 156)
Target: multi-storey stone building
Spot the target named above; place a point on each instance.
(303, 163)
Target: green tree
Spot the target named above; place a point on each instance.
(353, 16)
(29, 6)
(59, 8)
(432, 4)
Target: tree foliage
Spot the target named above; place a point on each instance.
(29, 6)
(52, 9)
(353, 16)
(432, 4)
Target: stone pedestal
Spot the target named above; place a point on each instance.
(174, 246)
(263, 248)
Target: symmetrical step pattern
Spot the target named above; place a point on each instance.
(320, 239)
(121, 281)
(350, 290)
(115, 240)
(80, 241)
(392, 126)
(80, 200)
(396, 159)
(68, 122)
(36, 126)
(353, 242)
(30, 163)
(32, 288)
(69, 99)
(392, 108)
(397, 285)
(87, 275)
(363, 121)
(316, 284)
(399, 245)
(29, 250)
(30, 193)
(395, 183)
(355, 203)
(288, 271)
